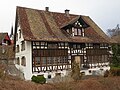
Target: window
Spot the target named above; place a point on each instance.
(52, 45)
(96, 45)
(49, 60)
(23, 61)
(23, 46)
(65, 60)
(77, 31)
(17, 49)
(19, 33)
(18, 61)
(37, 61)
(54, 60)
(17, 37)
(43, 60)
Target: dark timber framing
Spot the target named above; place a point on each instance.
(49, 56)
(53, 56)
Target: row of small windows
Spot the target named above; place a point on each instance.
(76, 31)
(49, 45)
(23, 61)
(46, 45)
(41, 61)
(22, 47)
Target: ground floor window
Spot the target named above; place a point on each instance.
(43, 61)
(18, 61)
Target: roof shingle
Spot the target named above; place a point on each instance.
(39, 25)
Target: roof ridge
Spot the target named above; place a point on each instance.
(46, 11)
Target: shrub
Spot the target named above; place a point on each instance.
(116, 55)
(75, 71)
(106, 73)
(115, 71)
(39, 79)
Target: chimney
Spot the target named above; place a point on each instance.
(47, 9)
(67, 12)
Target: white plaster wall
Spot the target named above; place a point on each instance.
(52, 73)
(27, 70)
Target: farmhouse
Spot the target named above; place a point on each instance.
(48, 42)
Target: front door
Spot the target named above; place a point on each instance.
(77, 60)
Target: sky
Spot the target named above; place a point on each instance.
(105, 13)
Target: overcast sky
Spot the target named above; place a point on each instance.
(105, 13)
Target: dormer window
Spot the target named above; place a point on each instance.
(75, 27)
(77, 31)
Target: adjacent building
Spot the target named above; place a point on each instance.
(5, 39)
(7, 54)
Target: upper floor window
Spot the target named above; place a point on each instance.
(22, 46)
(17, 48)
(96, 45)
(16, 36)
(77, 31)
(23, 61)
(19, 33)
(52, 45)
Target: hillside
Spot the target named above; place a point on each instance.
(98, 83)
(8, 82)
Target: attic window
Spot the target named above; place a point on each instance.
(77, 31)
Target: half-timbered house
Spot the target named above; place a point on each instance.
(48, 42)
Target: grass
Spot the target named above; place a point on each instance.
(89, 83)
(92, 83)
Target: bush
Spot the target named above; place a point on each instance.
(106, 73)
(76, 71)
(116, 55)
(115, 71)
(39, 79)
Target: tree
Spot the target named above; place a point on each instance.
(114, 32)
(116, 55)
(76, 71)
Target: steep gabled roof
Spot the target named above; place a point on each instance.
(40, 25)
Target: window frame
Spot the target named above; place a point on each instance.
(22, 45)
(18, 60)
(23, 61)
